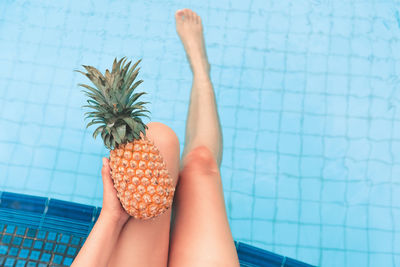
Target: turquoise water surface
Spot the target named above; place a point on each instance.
(308, 95)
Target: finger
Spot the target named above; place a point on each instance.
(105, 172)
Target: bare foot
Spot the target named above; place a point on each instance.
(190, 30)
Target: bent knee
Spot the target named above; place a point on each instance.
(200, 160)
(162, 134)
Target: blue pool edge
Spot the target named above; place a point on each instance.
(78, 219)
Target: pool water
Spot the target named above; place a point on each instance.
(308, 97)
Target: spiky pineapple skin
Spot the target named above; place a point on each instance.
(144, 186)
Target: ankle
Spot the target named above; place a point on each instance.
(201, 76)
(201, 70)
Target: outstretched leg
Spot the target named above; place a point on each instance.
(145, 243)
(202, 125)
(201, 235)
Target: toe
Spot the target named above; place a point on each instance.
(192, 16)
(188, 14)
(196, 18)
(185, 12)
(179, 15)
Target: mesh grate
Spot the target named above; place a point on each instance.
(23, 246)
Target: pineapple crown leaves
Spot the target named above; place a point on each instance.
(113, 103)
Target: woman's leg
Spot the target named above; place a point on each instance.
(145, 243)
(202, 125)
(201, 235)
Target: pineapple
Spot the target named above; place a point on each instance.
(144, 186)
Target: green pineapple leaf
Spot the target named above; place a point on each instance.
(112, 103)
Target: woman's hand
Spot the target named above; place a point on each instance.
(112, 208)
(101, 241)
